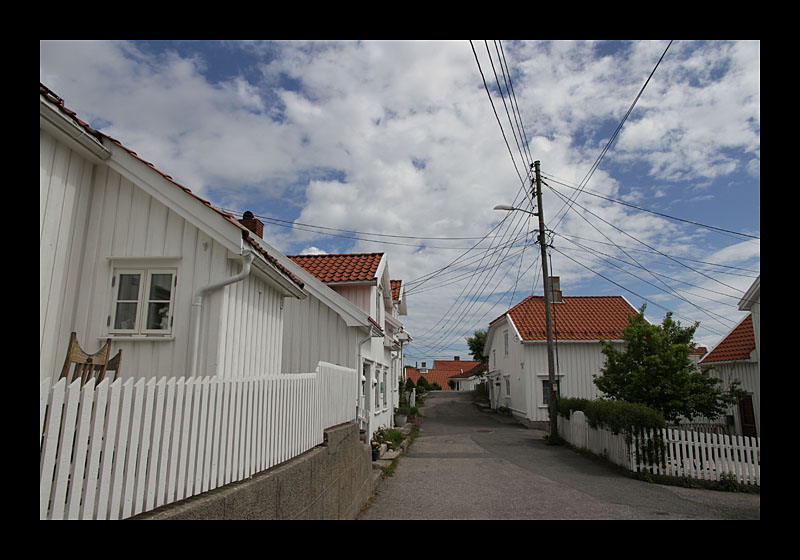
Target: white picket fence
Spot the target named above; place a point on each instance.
(122, 448)
(698, 455)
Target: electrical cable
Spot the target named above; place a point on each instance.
(652, 211)
(595, 165)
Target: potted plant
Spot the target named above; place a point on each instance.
(401, 415)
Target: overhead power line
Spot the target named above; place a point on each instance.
(596, 164)
(554, 180)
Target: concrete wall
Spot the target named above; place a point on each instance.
(331, 481)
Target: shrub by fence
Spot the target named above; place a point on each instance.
(121, 448)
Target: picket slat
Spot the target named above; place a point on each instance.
(95, 447)
(81, 447)
(158, 395)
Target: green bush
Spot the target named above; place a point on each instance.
(617, 416)
(566, 405)
(623, 417)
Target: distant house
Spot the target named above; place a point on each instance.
(516, 345)
(128, 254)
(468, 380)
(737, 357)
(445, 371)
(363, 280)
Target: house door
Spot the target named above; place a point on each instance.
(747, 416)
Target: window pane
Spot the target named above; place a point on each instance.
(158, 316)
(125, 317)
(160, 287)
(128, 287)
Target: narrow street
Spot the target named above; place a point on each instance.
(471, 464)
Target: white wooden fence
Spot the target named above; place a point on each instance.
(699, 455)
(121, 448)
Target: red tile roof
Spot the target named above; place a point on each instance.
(446, 369)
(355, 267)
(578, 318)
(432, 375)
(455, 365)
(396, 284)
(467, 373)
(738, 345)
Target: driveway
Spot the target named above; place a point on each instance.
(471, 464)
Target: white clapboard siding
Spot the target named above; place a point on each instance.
(128, 446)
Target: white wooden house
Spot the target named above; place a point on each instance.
(127, 253)
(192, 294)
(737, 357)
(516, 345)
(362, 280)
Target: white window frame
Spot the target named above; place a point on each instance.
(385, 386)
(143, 300)
(505, 340)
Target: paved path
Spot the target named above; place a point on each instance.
(471, 464)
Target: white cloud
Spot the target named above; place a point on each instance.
(400, 138)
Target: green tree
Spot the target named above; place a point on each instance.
(654, 369)
(476, 345)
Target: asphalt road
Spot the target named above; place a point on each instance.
(472, 464)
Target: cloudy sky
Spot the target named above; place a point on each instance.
(405, 147)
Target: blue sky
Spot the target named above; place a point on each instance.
(395, 146)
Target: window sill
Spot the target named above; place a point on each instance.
(138, 338)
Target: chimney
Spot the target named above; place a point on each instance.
(555, 289)
(252, 223)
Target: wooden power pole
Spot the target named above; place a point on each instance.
(551, 368)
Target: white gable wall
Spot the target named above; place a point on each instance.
(576, 365)
(525, 367)
(92, 219)
(314, 333)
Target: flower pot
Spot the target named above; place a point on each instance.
(400, 419)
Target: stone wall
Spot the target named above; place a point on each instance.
(331, 481)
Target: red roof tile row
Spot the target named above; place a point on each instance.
(354, 267)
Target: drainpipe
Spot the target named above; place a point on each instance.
(197, 305)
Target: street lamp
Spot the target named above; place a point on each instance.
(508, 208)
(551, 370)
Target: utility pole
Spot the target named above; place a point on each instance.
(551, 368)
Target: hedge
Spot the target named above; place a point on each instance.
(631, 419)
(617, 416)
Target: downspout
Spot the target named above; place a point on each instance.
(197, 305)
